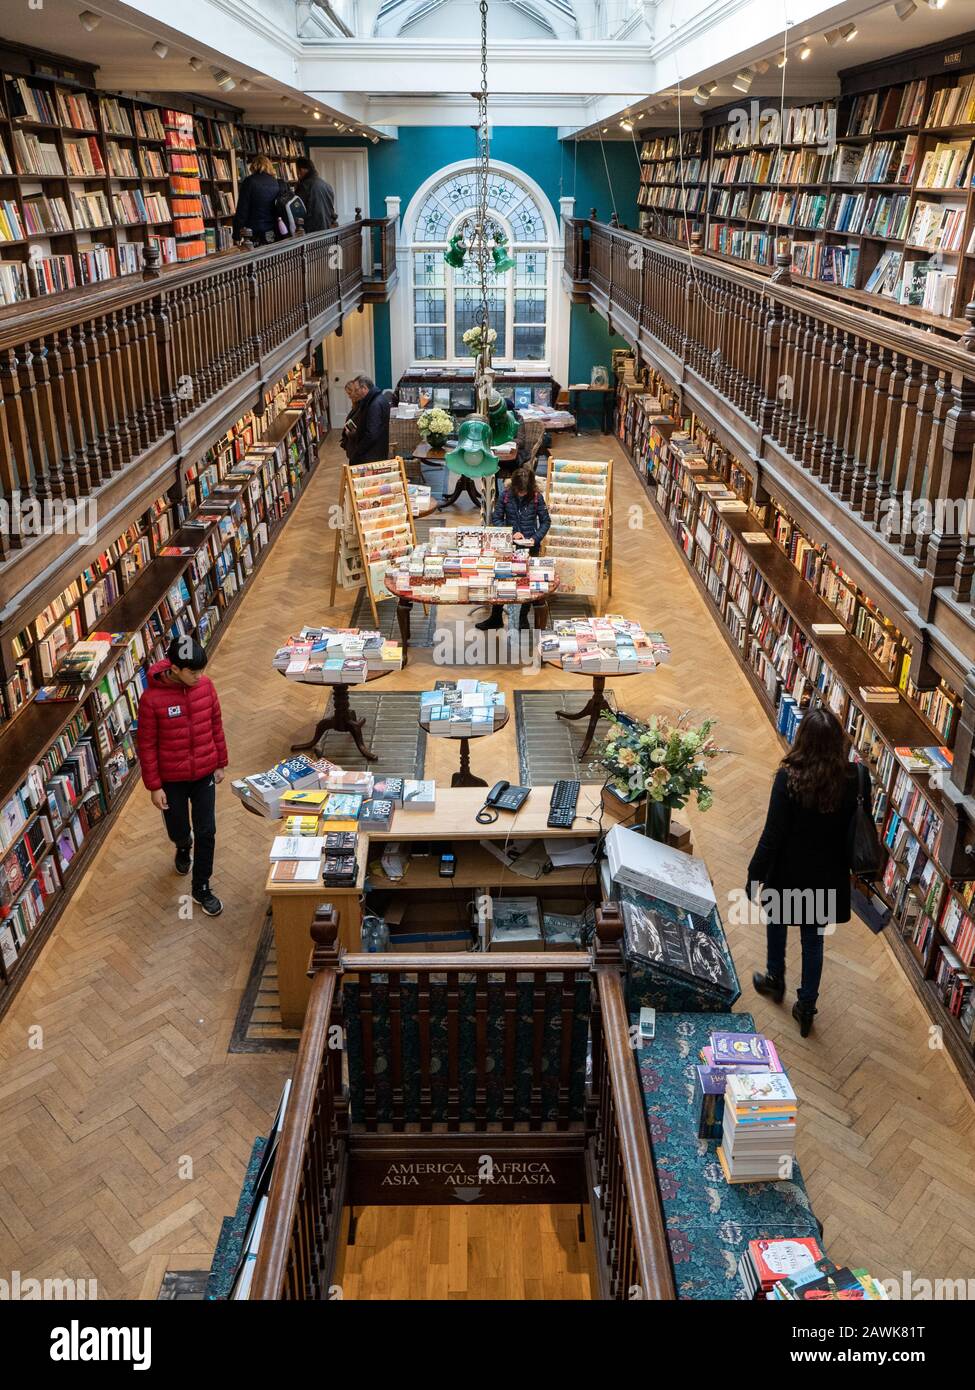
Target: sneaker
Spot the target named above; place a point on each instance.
(209, 901)
(183, 860)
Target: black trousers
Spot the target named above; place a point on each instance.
(199, 801)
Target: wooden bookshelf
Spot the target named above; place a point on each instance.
(875, 190)
(85, 179)
(766, 600)
(197, 562)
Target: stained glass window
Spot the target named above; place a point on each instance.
(446, 302)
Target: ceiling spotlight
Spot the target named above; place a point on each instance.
(245, 84)
(704, 93)
(306, 110)
(160, 49)
(317, 115)
(806, 49)
(849, 32)
(782, 60)
(743, 81)
(89, 20)
(223, 79)
(832, 37)
(904, 9)
(626, 125)
(196, 64)
(762, 66)
(375, 139)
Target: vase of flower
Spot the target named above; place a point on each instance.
(665, 761)
(474, 341)
(657, 824)
(435, 426)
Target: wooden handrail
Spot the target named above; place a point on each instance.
(271, 1267)
(645, 1209)
(468, 962)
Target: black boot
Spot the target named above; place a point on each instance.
(769, 986)
(803, 1015)
(494, 619)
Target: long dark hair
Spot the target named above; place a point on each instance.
(523, 480)
(817, 763)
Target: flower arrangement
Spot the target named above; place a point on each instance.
(435, 426)
(474, 340)
(666, 760)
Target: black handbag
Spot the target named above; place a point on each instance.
(866, 854)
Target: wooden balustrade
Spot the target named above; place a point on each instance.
(307, 1194)
(457, 1055)
(93, 379)
(837, 409)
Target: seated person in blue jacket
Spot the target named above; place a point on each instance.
(522, 507)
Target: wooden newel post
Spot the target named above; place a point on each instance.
(608, 941)
(325, 935)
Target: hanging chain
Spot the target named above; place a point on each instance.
(483, 171)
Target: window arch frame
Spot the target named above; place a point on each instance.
(418, 245)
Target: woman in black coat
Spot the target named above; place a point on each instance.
(802, 860)
(256, 199)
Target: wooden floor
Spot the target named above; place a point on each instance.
(123, 1138)
(460, 1253)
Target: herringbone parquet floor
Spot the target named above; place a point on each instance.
(125, 1124)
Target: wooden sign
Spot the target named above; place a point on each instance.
(489, 1173)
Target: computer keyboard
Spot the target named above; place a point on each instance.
(562, 808)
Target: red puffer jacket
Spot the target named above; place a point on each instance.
(180, 735)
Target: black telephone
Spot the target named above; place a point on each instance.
(502, 797)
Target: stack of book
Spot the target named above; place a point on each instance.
(612, 645)
(477, 565)
(725, 1053)
(81, 663)
(462, 709)
(763, 1263)
(336, 656)
(822, 1280)
(266, 792)
(758, 1140)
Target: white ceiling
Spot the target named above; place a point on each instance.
(373, 65)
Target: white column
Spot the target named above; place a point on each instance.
(393, 209)
(566, 209)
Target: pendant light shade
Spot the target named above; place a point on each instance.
(456, 253)
(473, 457)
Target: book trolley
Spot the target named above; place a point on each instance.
(580, 500)
(377, 526)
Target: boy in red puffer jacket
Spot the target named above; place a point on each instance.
(183, 754)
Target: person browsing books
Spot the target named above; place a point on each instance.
(182, 755)
(522, 507)
(802, 860)
(365, 434)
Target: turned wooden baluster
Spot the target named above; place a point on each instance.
(817, 396)
(60, 365)
(860, 425)
(15, 459)
(35, 392)
(919, 433)
(887, 440)
(89, 391)
(840, 463)
(949, 558)
(936, 474)
(162, 361)
(137, 384)
(103, 368)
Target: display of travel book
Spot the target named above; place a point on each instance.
(579, 497)
(377, 527)
(676, 960)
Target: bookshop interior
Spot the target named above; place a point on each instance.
(487, 629)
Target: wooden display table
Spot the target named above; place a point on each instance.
(404, 608)
(343, 718)
(597, 702)
(432, 898)
(464, 777)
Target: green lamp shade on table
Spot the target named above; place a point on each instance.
(473, 457)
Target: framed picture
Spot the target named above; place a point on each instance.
(441, 396)
(543, 395)
(599, 376)
(462, 398)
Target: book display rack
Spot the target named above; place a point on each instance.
(804, 633)
(74, 674)
(89, 180)
(580, 501)
(874, 189)
(377, 527)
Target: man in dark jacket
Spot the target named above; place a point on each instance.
(365, 434)
(183, 753)
(317, 196)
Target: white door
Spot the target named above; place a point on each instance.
(347, 170)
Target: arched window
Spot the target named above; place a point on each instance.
(446, 302)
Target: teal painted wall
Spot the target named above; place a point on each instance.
(590, 343)
(560, 168)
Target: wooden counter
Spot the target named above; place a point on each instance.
(450, 822)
